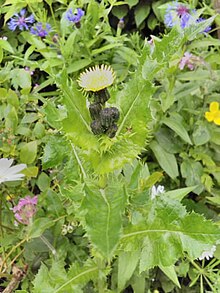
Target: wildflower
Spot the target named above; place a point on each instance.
(25, 209)
(186, 60)
(214, 114)
(96, 78)
(208, 253)
(8, 173)
(179, 14)
(75, 17)
(41, 30)
(156, 190)
(19, 20)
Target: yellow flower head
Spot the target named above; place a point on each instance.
(214, 114)
(96, 78)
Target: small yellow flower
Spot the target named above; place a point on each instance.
(214, 114)
(96, 78)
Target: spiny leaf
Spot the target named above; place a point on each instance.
(103, 216)
(166, 232)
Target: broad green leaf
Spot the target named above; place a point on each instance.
(167, 232)
(175, 122)
(178, 194)
(166, 160)
(28, 152)
(55, 151)
(78, 65)
(39, 226)
(30, 118)
(30, 171)
(57, 280)
(20, 78)
(127, 262)
(43, 181)
(131, 3)
(4, 44)
(103, 210)
(171, 274)
(11, 119)
(141, 12)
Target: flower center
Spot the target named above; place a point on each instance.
(181, 10)
(21, 20)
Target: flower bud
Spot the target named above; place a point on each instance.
(108, 116)
(94, 110)
(96, 127)
(112, 130)
(102, 96)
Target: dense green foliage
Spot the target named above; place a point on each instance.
(99, 227)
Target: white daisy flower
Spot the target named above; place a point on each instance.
(156, 190)
(208, 253)
(8, 172)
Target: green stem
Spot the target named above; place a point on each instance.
(48, 244)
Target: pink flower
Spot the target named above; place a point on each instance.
(191, 61)
(25, 209)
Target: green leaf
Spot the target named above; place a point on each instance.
(55, 151)
(103, 210)
(11, 120)
(175, 122)
(171, 274)
(20, 78)
(127, 262)
(167, 232)
(78, 65)
(178, 194)
(28, 152)
(141, 12)
(39, 226)
(200, 134)
(43, 181)
(131, 3)
(166, 160)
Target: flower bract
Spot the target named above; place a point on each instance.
(20, 21)
(214, 113)
(8, 172)
(96, 78)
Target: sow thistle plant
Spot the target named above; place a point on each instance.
(109, 202)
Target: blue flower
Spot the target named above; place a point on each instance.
(207, 29)
(19, 20)
(74, 17)
(41, 30)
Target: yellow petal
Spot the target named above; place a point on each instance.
(209, 116)
(217, 118)
(214, 107)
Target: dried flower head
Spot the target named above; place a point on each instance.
(214, 113)
(8, 173)
(25, 209)
(96, 78)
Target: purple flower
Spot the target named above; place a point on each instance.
(41, 30)
(207, 29)
(191, 61)
(74, 17)
(25, 209)
(19, 20)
